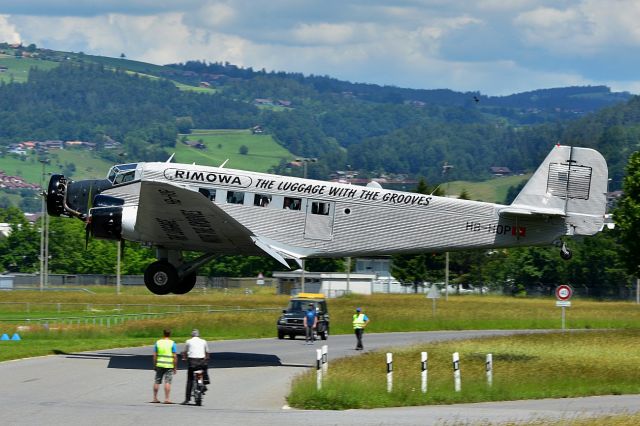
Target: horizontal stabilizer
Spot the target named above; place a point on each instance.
(522, 211)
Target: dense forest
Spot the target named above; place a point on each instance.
(372, 129)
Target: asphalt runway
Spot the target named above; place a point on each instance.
(250, 380)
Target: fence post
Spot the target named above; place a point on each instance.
(489, 367)
(456, 371)
(389, 371)
(318, 369)
(423, 371)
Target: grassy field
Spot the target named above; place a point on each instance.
(263, 153)
(587, 361)
(492, 190)
(556, 365)
(87, 165)
(18, 68)
(388, 312)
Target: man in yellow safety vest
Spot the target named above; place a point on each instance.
(165, 362)
(360, 321)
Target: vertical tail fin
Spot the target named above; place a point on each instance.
(571, 182)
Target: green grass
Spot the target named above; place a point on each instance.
(492, 190)
(556, 365)
(29, 167)
(388, 313)
(19, 68)
(560, 364)
(263, 154)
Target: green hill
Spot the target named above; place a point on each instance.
(263, 152)
(492, 190)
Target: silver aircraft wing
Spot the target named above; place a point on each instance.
(177, 217)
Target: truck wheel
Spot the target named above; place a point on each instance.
(292, 336)
(324, 335)
(280, 335)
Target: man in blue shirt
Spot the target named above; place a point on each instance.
(310, 323)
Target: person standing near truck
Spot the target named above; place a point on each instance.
(310, 323)
(360, 321)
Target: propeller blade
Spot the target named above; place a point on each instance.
(87, 232)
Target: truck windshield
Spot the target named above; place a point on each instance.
(122, 173)
(303, 305)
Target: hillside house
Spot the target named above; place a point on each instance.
(500, 171)
(49, 145)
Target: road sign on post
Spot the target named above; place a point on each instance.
(563, 294)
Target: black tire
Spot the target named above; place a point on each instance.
(186, 284)
(280, 335)
(324, 335)
(292, 336)
(198, 396)
(161, 278)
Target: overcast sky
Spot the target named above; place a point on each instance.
(496, 47)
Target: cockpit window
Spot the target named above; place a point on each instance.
(122, 173)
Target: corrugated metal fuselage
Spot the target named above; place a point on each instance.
(334, 219)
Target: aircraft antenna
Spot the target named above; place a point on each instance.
(171, 158)
(224, 163)
(435, 189)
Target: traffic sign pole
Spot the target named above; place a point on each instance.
(563, 294)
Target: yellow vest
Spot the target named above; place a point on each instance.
(165, 353)
(358, 320)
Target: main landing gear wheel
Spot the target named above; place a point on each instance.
(186, 284)
(161, 278)
(565, 253)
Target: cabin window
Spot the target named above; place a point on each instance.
(261, 200)
(209, 193)
(292, 203)
(318, 207)
(235, 197)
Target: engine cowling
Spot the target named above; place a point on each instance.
(106, 222)
(55, 195)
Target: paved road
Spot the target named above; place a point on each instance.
(250, 381)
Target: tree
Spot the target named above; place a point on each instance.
(244, 150)
(19, 251)
(627, 216)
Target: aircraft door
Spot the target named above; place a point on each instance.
(319, 220)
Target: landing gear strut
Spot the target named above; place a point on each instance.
(565, 252)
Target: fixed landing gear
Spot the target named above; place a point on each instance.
(161, 277)
(171, 274)
(565, 252)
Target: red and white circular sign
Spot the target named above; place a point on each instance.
(563, 292)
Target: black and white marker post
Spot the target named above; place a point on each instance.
(456, 371)
(325, 360)
(423, 371)
(489, 367)
(389, 371)
(318, 369)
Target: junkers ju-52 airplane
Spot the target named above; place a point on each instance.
(214, 210)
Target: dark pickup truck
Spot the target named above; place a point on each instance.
(291, 323)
